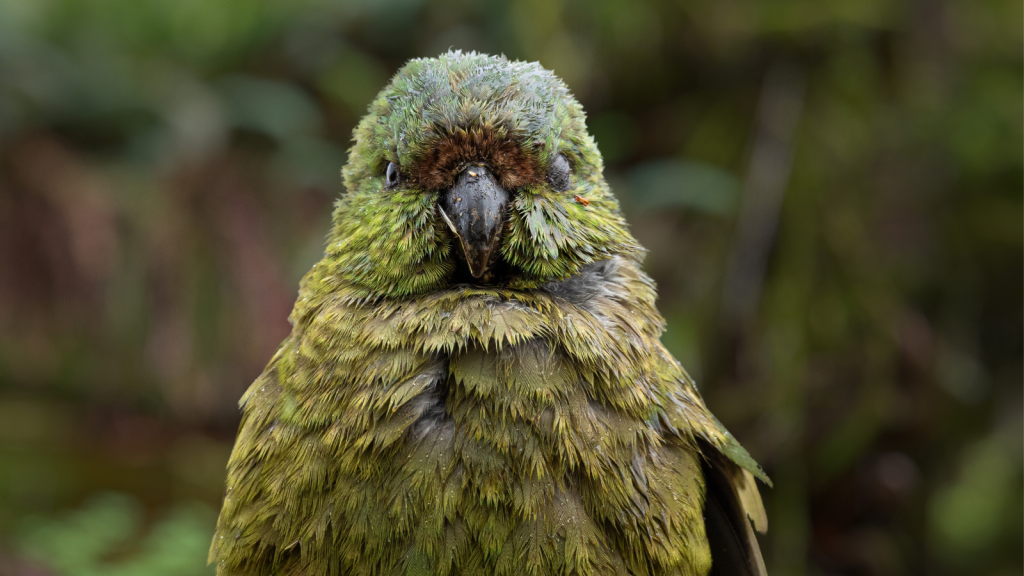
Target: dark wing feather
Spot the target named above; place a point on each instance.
(734, 549)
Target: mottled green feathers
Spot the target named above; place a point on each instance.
(413, 424)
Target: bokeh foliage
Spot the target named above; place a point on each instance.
(830, 193)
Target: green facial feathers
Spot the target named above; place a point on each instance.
(419, 422)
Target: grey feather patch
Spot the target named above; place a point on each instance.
(594, 280)
(427, 391)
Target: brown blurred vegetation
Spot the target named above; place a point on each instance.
(830, 193)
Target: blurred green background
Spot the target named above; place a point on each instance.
(831, 193)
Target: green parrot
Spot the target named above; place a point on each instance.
(474, 382)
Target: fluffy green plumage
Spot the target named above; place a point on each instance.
(414, 425)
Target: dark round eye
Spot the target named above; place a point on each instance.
(558, 174)
(391, 177)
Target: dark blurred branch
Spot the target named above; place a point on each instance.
(771, 158)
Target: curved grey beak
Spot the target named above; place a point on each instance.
(474, 209)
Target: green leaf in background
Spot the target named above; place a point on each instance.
(673, 183)
(278, 109)
(968, 515)
(100, 539)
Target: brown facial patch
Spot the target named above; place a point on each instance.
(449, 154)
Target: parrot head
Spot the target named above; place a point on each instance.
(472, 169)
